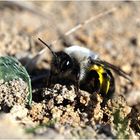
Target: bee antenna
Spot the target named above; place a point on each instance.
(48, 46)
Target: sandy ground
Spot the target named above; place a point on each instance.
(58, 112)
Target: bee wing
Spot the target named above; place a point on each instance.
(114, 68)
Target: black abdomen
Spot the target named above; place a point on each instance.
(99, 80)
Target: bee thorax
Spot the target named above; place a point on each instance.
(80, 53)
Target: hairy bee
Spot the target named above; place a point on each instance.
(83, 68)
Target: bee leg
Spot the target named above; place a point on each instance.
(103, 104)
(49, 81)
(110, 93)
(77, 92)
(77, 84)
(76, 87)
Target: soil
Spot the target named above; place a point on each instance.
(58, 112)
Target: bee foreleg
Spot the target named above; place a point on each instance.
(49, 80)
(77, 85)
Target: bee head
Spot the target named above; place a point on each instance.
(62, 62)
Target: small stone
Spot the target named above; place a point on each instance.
(19, 112)
(59, 99)
(133, 98)
(84, 99)
(127, 68)
(56, 113)
(133, 41)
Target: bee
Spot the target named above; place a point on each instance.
(83, 68)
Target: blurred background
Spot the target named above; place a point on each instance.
(114, 36)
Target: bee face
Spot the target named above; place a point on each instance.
(62, 63)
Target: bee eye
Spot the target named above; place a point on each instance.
(66, 65)
(68, 62)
